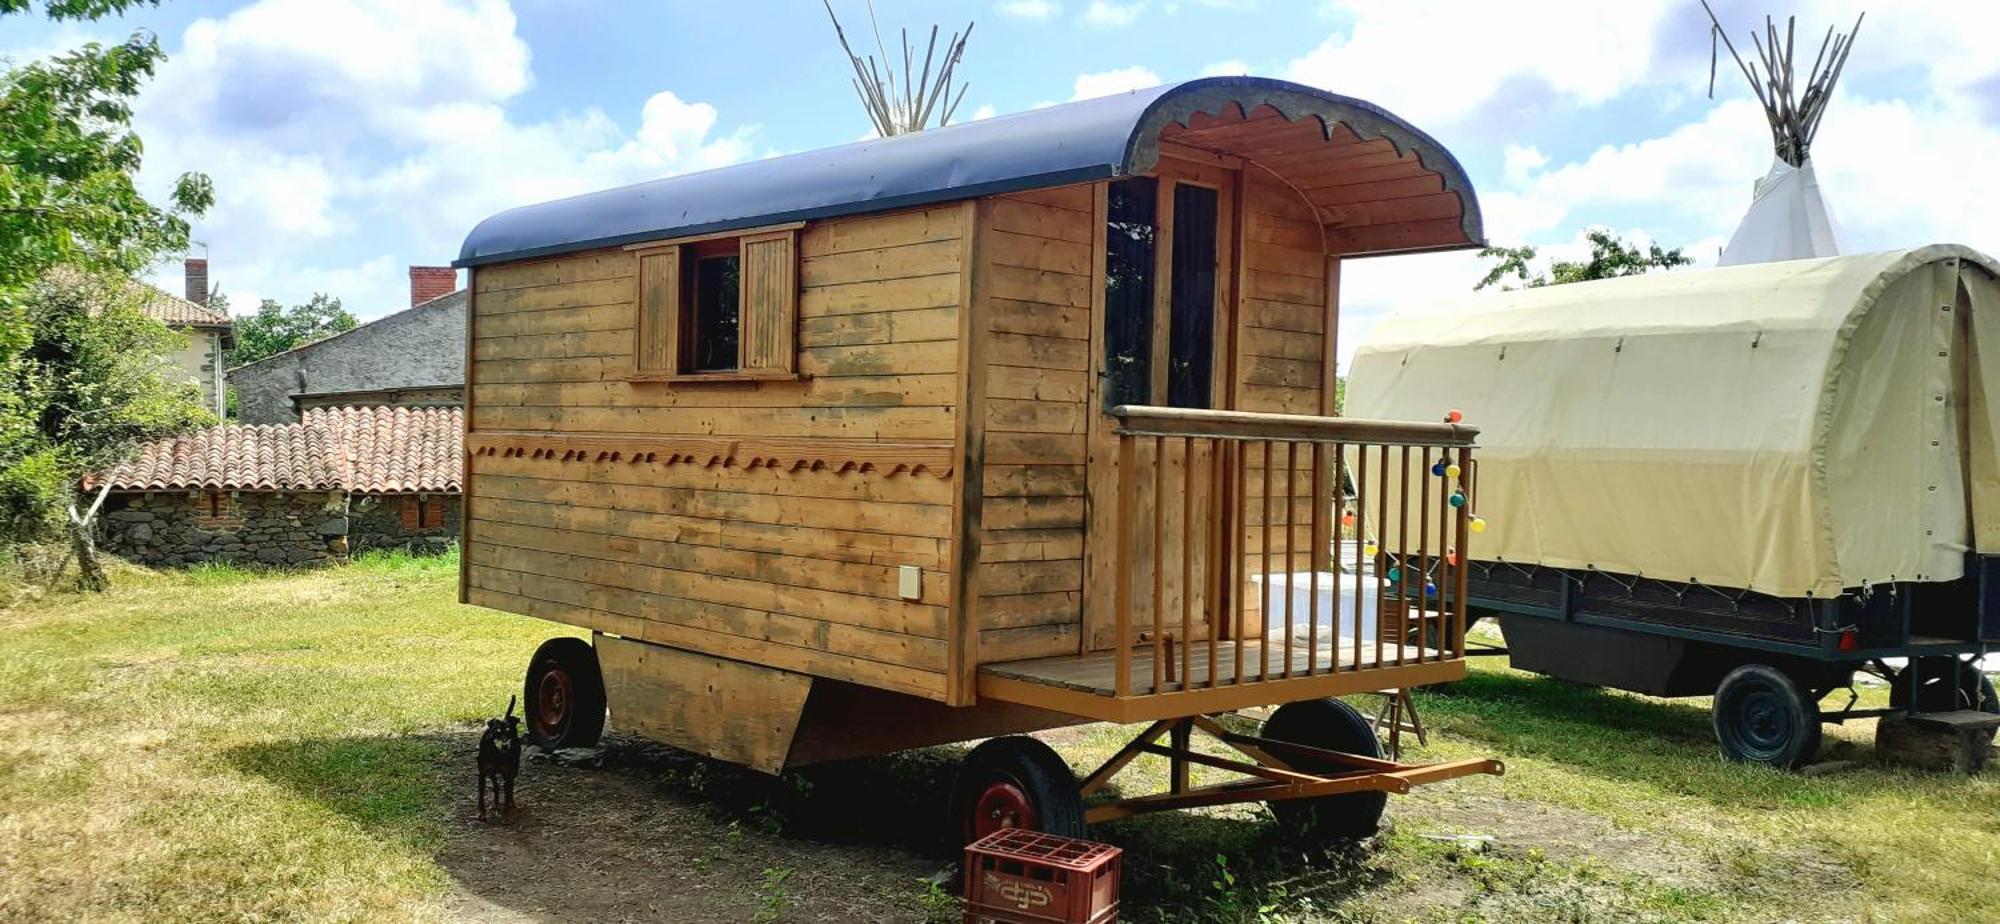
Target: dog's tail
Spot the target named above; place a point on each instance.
(510, 706)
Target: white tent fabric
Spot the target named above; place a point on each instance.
(1792, 428)
(1788, 220)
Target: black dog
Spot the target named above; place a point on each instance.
(499, 761)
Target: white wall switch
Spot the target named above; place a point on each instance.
(911, 584)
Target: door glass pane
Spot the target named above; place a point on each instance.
(1191, 345)
(716, 308)
(1129, 230)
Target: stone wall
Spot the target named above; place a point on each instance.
(418, 348)
(171, 529)
(392, 522)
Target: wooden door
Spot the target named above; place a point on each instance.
(1162, 325)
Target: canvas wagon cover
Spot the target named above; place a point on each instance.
(1793, 428)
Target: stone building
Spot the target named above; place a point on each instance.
(412, 358)
(339, 481)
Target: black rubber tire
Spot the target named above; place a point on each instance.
(582, 715)
(1330, 725)
(1762, 717)
(1029, 765)
(1937, 694)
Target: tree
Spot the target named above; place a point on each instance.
(1609, 257)
(275, 328)
(67, 162)
(90, 379)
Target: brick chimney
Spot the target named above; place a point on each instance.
(196, 269)
(429, 282)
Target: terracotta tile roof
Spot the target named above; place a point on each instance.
(173, 310)
(368, 450)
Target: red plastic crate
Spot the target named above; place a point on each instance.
(1016, 876)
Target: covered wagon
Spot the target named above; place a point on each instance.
(1751, 481)
(982, 430)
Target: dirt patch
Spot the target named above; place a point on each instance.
(643, 840)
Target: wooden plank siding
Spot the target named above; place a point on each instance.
(789, 563)
(1035, 315)
(1281, 354)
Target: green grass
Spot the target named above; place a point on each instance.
(229, 744)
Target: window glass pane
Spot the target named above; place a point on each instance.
(1191, 344)
(1129, 231)
(716, 311)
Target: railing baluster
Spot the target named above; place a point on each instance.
(1128, 476)
(1319, 510)
(1291, 546)
(1159, 560)
(1187, 558)
(1423, 555)
(1239, 561)
(1402, 565)
(1462, 575)
(1360, 531)
(1445, 568)
(1382, 520)
(1264, 610)
(1212, 570)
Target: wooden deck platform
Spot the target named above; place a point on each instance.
(1086, 684)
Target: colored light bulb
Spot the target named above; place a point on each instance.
(1454, 415)
(1395, 575)
(1451, 471)
(1430, 589)
(1451, 558)
(1457, 499)
(1437, 468)
(1478, 524)
(1370, 549)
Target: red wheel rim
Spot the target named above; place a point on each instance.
(552, 703)
(1000, 805)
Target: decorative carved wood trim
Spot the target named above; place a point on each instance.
(828, 455)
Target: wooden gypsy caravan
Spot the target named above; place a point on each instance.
(988, 429)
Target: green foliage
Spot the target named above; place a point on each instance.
(67, 160)
(1609, 257)
(275, 328)
(74, 9)
(83, 376)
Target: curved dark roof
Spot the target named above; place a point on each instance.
(1091, 139)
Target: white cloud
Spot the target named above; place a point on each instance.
(372, 125)
(1107, 14)
(1522, 160)
(1106, 83)
(985, 111)
(1231, 68)
(1436, 62)
(1037, 10)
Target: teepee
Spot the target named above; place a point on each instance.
(1788, 217)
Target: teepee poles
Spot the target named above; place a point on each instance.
(900, 110)
(1794, 116)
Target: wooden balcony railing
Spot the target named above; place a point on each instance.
(1265, 547)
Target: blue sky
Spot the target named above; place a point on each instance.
(351, 138)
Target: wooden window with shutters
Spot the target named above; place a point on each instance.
(718, 308)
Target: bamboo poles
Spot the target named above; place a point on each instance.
(906, 108)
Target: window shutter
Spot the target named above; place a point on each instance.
(655, 347)
(434, 513)
(770, 299)
(409, 513)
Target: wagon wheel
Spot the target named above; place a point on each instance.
(1937, 691)
(1015, 782)
(1329, 725)
(564, 693)
(1761, 717)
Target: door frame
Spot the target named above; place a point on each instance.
(1100, 538)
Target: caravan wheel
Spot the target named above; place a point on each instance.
(1761, 717)
(563, 695)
